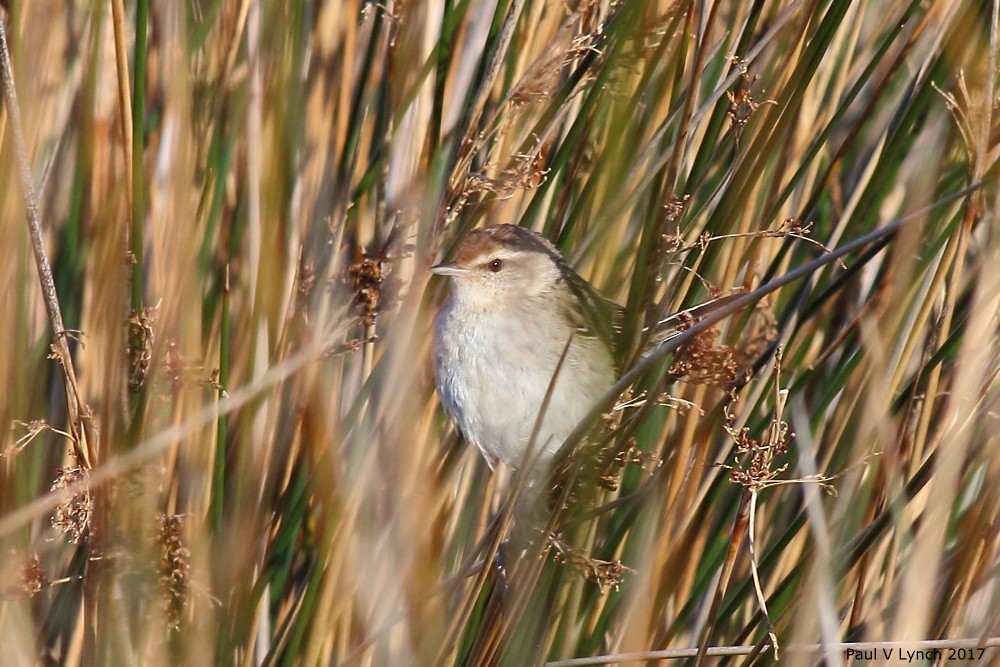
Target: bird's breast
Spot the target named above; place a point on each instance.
(494, 370)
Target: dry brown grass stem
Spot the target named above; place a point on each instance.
(124, 91)
(739, 529)
(74, 403)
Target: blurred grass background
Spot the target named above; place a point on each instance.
(239, 200)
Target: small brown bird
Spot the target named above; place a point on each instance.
(514, 310)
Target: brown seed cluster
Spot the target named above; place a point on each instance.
(33, 577)
(73, 516)
(175, 567)
(367, 277)
(21, 577)
(701, 361)
(648, 461)
(755, 460)
(742, 104)
(610, 480)
(306, 282)
(525, 172)
(670, 240)
(141, 337)
(754, 466)
(607, 574)
(630, 455)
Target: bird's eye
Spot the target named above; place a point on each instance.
(496, 265)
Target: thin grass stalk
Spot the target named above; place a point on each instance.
(649, 255)
(470, 595)
(124, 92)
(236, 40)
(136, 246)
(83, 447)
(739, 529)
(255, 132)
(218, 499)
(347, 163)
(611, 41)
(916, 443)
(137, 344)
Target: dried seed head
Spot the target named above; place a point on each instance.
(20, 577)
(700, 361)
(140, 346)
(175, 567)
(306, 282)
(73, 516)
(367, 277)
(606, 574)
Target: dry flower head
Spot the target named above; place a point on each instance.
(606, 574)
(72, 517)
(175, 567)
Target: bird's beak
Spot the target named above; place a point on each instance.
(448, 269)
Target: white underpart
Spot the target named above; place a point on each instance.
(494, 374)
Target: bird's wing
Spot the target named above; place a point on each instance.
(592, 314)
